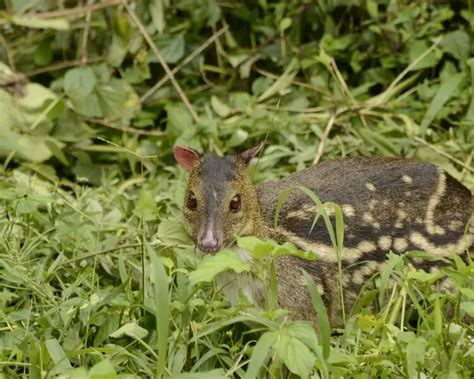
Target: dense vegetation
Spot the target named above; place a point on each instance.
(94, 264)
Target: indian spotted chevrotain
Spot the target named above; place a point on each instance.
(389, 204)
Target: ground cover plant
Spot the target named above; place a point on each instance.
(97, 277)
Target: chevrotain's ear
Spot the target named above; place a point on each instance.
(247, 155)
(186, 157)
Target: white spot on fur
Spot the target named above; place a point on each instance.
(360, 275)
(402, 215)
(385, 242)
(367, 217)
(446, 250)
(366, 246)
(306, 212)
(327, 252)
(433, 202)
(400, 244)
(320, 289)
(348, 210)
(407, 179)
(455, 225)
(372, 204)
(370, 186)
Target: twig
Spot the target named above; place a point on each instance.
(387, 94)
(443, 153)
(324, 138)
(11, 61)
(125, 129)
(185, 61)
(162, 61)
(342, 82)
(61, 65)
(78, 10)
(274, 76)
(468, 162)
(85, 35)
(92, 255)
(346, 89)
(21, 78)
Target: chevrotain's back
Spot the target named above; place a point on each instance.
(388, 204)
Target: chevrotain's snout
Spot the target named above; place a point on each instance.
(208, 239)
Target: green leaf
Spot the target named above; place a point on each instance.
(468, 307)
(221, 109)
(43, 53)
(211, 265)
(79, 82)
(303, 331)
(57, 354)
(171, 48)
(416, 49)
(468, 292)
(35, 96)
(367, 322)
(445, 91)
(146, 207)
(285, 24)
(218, 373)
(296, 355)
(41, 23)
(282, 83)
(261, 353)
(132, 329)
(437, 317)
(179, 119)
(415, 356)
(171, 231)
(457, 44)
(157, 13)
(30, 148)
(103, 370)
(424, 277)
(260, 249)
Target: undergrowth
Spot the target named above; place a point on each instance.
(97, 277)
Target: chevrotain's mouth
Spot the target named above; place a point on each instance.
(206, 251)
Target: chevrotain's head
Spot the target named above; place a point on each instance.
(220, 200)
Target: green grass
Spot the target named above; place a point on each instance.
(82, 289)
(95, 268)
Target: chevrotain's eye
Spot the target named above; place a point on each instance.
(191, 203)
(235, 204)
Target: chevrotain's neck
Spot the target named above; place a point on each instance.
(259, 228)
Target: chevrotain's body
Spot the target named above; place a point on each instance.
(388, 204)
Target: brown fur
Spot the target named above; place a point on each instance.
(389, 205)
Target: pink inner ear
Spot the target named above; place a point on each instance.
(186, 157)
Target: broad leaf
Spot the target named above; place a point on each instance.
(211, 265)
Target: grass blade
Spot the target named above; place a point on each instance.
(260, 354)
(445, 91)
(160, 282)
(321, 315)
(57, 354)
